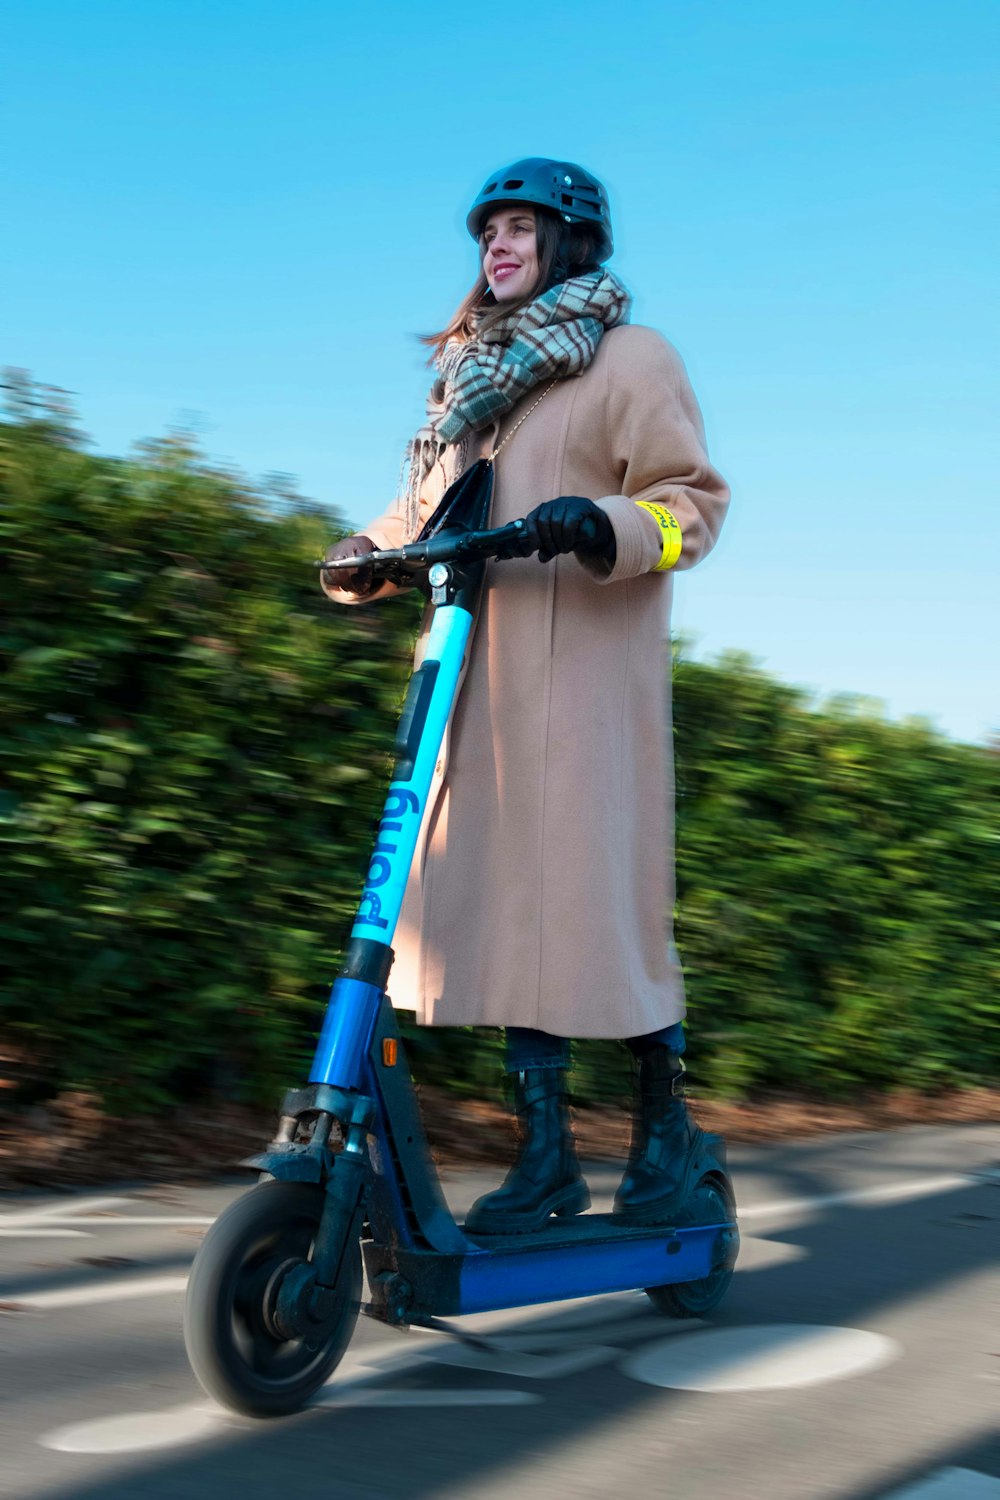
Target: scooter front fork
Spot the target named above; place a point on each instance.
(347, 1192)
(304, 1296)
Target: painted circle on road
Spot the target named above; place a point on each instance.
(139, 1431)
(759, 1358)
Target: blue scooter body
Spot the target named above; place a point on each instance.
(421, 1264)
(275, 1286)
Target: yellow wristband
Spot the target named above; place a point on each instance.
(670, 533)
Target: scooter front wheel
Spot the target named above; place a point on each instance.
(709, 1204)
(237, 1353)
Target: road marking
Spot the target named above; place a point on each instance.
(777, 1356)
(44, 1234)
(197, 1420)
(93, 1293)
(356, 1381)
(760, 1255)
(129, 1221)
(58, 1211)
(190, 1423)
(889, 1192)
(951, 1484)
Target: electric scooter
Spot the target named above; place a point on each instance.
(276, 1286)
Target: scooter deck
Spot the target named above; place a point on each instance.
(579, 1257)
(593, 1228)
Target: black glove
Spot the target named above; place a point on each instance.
(569, 524)
(357, 581)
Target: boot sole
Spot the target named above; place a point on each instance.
(571, 1200)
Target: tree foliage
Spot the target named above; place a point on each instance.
(193, 753)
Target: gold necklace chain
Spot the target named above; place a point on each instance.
(527, 414)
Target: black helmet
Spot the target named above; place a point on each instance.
(567, 189)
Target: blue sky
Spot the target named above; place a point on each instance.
(241, 213)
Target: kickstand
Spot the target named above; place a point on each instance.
(439, 1325)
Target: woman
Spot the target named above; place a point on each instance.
(541, 896)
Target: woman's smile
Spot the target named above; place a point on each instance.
(510, 252)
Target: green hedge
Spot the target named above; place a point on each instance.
(193, 752)
(838, 891)
(191, 763)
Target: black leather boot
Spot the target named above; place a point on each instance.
(665, 1144)
(545, 1179)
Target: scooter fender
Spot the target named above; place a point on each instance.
(712, 1156)
(710, 1161)
(290, 1164)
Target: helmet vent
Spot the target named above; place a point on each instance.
(561, 187)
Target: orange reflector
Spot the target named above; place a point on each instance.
(389, 1050)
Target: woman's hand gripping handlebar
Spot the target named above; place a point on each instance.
(363, 567)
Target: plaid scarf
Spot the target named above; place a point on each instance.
(551, 338)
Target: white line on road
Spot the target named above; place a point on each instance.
(96, 1292)
(129, 1221)
(58, 1211)
(44, 1234)
(194, 1421)
(887, 1192)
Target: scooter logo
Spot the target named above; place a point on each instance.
(397, 805)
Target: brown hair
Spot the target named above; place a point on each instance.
(564, 250)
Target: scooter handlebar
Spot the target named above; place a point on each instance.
(449, 546)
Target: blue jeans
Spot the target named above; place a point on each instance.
(526, 1048)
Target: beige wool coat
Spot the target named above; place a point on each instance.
(543, 889)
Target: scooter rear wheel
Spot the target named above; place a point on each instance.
(234, 1349)
(709, 1204)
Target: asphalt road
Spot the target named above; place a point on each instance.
(857, 1356)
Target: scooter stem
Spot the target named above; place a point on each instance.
(418, 742)
(354, 1002)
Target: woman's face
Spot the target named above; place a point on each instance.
(510, 251)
